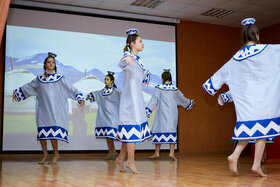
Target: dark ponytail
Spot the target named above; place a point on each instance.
(166, 76)
(250, 33)
(112, 78)
(130, 38)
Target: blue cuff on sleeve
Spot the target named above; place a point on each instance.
(224, 98)
(90, 97)
(79, 97)
(208, 86)
(148, 112)
(189, 107)
(147, 78)
(19, 95)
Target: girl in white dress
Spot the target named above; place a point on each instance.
(108, 101)
(166, 98)
(253, 78)
(133, 123)
(51, 90)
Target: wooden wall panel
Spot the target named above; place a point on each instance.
(202, 50)
(270, 35)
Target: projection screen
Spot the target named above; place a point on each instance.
(87, 47)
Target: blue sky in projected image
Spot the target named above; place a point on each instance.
(82, 50)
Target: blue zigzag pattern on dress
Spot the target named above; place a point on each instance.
(259, 129)
(164, 138)
(107, 91)
(189, 107)
(208, 86)
(134, 133)
(79, 96)
(90, 97)
(19, 95)
(137, 58)
(167, 87)
(148, 112)
(52, 133)
(225, 97)
(106, 132)
(52, 78)
(147, 78)
(249, 51)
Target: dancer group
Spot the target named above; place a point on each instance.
(252, 75)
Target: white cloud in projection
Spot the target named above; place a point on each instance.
(85, 51)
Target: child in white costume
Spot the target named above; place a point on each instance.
(133, 123)
(166, 98)
(252, 75)
(108, 100)
(51, 90)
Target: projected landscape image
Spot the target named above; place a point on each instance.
(84, 60)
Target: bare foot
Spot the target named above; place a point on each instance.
(173, 157)
(132, 168)
(232, 165)
(258, 171)
(43, 159)
(120, 164)
(55, 159)
(154, 156)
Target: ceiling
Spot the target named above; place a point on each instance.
(266, 12)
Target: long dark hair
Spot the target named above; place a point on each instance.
(250, 33)
(45, 62)
(130, 38)
(112, 78)
(166, 76)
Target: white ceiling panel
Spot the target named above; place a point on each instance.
(232, 5)
(109, 5)
(171, 6)
(211, 3)
(182, 1)
(183, 15)
(275, 4)
(86, 3)
(266, 12)
(195, 9)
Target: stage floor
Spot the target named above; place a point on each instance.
(92, 170)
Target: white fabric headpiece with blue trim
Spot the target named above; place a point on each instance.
(131, 31)
(50, 54)
(111, 72)
(248, 21)
(166, 69)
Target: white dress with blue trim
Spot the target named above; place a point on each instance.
(51, 104)
(108, 101)
(226, 98)
(166, 98)
(133, 123)
(253, 78)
